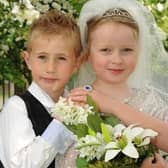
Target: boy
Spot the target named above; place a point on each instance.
(30, 138)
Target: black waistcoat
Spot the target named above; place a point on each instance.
(1, 166)
(38, 115)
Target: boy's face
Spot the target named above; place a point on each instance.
(113, 52)
(52, 61)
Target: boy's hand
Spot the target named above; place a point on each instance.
(159, 162)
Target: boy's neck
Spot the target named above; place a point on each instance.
(55, 95)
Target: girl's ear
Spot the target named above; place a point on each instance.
(77, 65)
(26, 57)
(84, 57)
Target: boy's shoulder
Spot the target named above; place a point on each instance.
(14, 103)
(15, 99)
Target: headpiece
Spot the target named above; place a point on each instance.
(118, 12)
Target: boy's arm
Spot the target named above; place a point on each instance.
(57, 135)
(21, 148)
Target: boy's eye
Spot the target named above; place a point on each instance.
(42, 57)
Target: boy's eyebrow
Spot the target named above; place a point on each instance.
(55, 54)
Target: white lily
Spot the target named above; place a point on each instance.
(125, 140)
(145, 137)
(120, 145)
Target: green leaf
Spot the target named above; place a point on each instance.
(94, 122)
(111, 120)
(92, 103)
(81, 163)
(106, 133)
(91, 132)
(80, 130)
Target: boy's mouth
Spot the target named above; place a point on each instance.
(49, 80)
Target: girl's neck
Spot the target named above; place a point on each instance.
(119, 92)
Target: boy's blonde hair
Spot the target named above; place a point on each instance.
(56, 23)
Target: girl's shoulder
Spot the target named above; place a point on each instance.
(151, 100)
(152, 93)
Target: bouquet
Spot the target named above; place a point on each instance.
(103, 141)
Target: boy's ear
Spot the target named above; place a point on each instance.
(26, 57)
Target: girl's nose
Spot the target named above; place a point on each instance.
(116, 58)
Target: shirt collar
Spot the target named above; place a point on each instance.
(41, 95)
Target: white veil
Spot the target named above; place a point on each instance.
(153, 59)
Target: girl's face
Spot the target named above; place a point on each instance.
(113, 52)
(52, 61)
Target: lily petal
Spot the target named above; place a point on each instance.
(146, 141)
(110, 154)
(131, 151)
(119, 127)
(131, 134)
(149, 133)
(118, 130)
(111, 145)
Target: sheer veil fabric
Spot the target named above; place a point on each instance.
(152, 67)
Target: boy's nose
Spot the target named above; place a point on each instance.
(51, 67)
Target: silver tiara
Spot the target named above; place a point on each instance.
(118, 12)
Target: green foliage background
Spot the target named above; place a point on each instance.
(13, 33)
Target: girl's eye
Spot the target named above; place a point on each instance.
(62, 58)
(127, 49)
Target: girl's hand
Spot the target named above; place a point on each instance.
(159, 162)
(78, 95)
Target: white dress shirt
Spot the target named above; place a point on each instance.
(19, 146)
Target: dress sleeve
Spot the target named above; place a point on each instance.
(21, 148)
(156, 103)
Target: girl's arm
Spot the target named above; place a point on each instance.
(126, 113)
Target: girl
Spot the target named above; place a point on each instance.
(120, 39)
